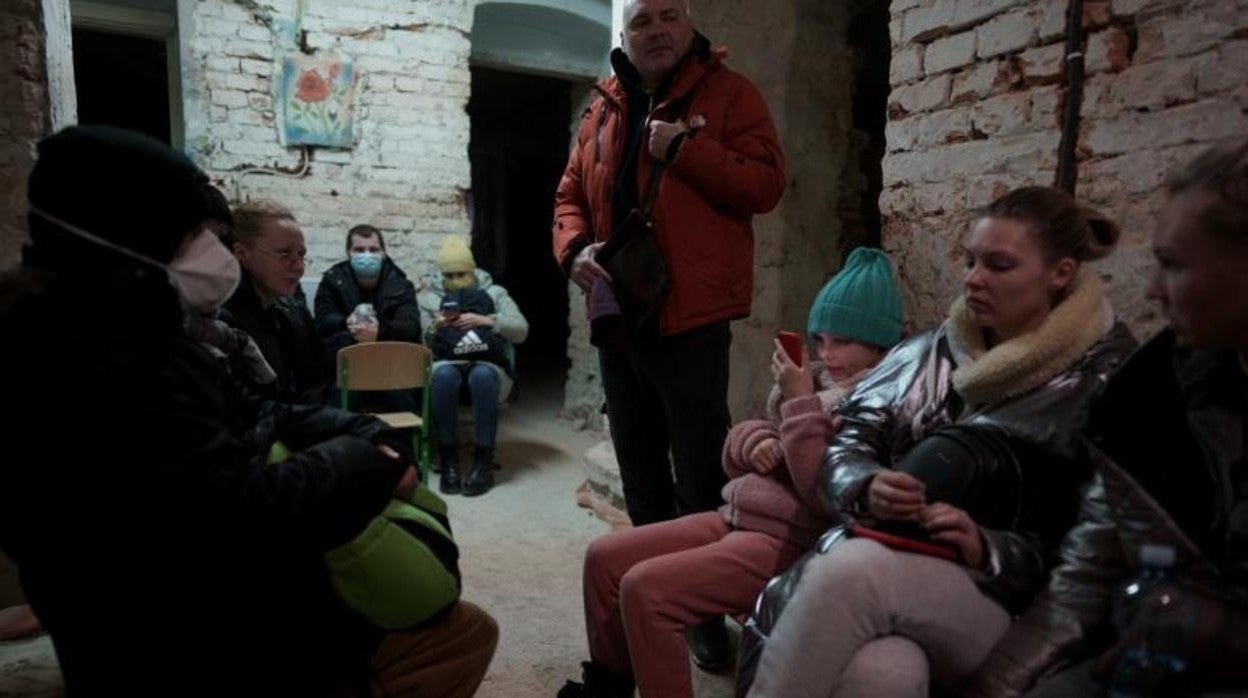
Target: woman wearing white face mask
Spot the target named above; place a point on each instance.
(166, 522)
(236, 349)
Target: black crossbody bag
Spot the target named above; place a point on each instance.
(632, 256)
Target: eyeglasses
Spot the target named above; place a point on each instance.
(287, 256)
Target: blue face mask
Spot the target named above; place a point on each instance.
(366, 265)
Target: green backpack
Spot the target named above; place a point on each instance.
(403, 569)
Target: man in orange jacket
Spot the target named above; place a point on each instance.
(672, 104)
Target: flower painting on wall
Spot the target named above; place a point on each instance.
(316, 96)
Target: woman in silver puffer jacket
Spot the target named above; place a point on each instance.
(1009, 377)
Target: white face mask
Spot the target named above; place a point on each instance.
(205, 275)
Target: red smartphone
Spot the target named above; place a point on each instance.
(910, 545)
(792, 343)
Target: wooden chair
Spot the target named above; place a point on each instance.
(391, 366)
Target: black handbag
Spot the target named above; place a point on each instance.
(638, 268)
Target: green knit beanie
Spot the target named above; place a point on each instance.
(862, 302)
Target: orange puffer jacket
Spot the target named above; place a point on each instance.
(723, 174)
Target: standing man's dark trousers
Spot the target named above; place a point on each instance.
(669, 393)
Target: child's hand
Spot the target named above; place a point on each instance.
(766, 456)
(363, 332)
(895, 496)
(467, 321)
(794, 380)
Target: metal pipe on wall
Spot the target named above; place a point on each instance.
(1067, 164)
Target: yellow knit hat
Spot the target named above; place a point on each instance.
(455, 255)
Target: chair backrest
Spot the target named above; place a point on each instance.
(383, 366)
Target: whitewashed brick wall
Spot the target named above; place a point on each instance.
(409, 170)
(976, 110)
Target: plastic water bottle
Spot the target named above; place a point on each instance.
(364, 314)
(1156, 664)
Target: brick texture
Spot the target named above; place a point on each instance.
(408, 171)
(24, 115)
(1165, 80)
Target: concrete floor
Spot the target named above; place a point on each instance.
(522, 546)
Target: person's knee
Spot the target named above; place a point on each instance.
(600, 559)
(889, 666)
(852, 569)
(445, 376)
(642, 588)
(483, 378)
(478, 628)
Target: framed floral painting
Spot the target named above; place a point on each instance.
(316, 97)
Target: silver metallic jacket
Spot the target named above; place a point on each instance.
(909, 395)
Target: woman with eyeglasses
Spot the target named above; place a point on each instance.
(270, 306)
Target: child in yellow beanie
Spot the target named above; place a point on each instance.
(456, 263)
(483, 313)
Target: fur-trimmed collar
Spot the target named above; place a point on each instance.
(1075, 325)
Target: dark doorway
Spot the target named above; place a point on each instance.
(123, 81)
(872, 45)
(518, 152)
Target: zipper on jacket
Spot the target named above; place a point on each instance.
(643, 146)
(602, 122)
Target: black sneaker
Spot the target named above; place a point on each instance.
(597, 684)
(709, 644)
(481, 478)
(449, 482)
(573, 689)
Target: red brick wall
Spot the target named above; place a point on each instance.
(976, 110)
(23, 115)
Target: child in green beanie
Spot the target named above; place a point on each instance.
(644, 587)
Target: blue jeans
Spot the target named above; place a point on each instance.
(447, 386)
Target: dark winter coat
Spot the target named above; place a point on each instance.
(394, 298)
(155, 545)
(722, 175)
(1171, 454)
(286, 334)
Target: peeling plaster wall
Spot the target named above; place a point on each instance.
(582, 398)
(797, 53)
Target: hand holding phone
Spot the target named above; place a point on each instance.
(792, 344)
(792, 378)
(450, 311)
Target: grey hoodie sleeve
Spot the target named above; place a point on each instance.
(509, 322)
(428, 301)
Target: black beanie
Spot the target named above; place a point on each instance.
(120, 185)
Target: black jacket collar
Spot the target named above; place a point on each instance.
(630, 78)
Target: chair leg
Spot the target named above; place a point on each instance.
(421, 450)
